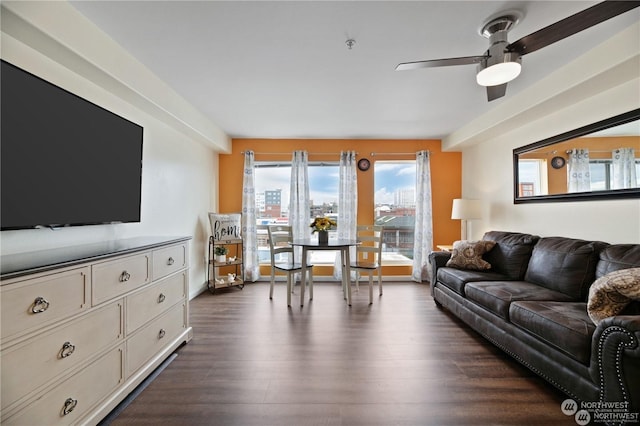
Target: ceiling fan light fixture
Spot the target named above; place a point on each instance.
(499, 73)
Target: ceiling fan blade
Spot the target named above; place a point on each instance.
(495, 92)
(466, 60)
(571, 25)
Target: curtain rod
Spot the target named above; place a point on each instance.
(568, 151)
(282, 153)
(373, 154)
(601, 151)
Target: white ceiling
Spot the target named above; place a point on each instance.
(281, 69)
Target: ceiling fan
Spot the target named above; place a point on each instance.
(501, 63)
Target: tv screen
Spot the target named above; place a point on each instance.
(64, 160)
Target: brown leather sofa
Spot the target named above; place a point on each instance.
(532, 304)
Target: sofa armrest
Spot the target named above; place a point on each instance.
(437, 259)
(615, 360)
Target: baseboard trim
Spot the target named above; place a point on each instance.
(137, 391)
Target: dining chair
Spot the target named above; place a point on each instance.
(368, 255)
(283, 259)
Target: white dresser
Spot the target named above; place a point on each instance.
(83, 326)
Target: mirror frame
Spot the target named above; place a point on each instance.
(577, 196)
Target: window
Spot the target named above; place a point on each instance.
(601, 172)
(532, 175)
(395, 209)
(273, 181)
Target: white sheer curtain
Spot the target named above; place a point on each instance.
(347, 205)
(578, 176)
(299, 207)
(624, 168)
(249, 230)
(423, 233)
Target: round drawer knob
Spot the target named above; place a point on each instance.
(161, 333)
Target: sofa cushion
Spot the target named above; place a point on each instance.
(456, 279)
(511, 254)
(618, 256)
(611, 294)
(496, 296)
(564, 264)
(468, 255)
(564, 325)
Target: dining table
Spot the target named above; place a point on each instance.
(341, 245)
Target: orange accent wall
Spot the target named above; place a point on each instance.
(446, 176)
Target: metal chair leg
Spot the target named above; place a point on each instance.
(272, 284)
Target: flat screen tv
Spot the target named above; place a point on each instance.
(64, 160)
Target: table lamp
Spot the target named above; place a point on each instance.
(466, 210)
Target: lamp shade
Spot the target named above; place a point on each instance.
(495, 74)
(466, 209)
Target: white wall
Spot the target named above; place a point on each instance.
(488, 175)
(179, 179)
(603, 83)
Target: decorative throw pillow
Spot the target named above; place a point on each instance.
(468, 255)
(610, 294)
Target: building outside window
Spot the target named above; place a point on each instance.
(272, 203)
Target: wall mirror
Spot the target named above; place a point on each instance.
(597, 161)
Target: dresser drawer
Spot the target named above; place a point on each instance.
(33, 363)
(33, 303)
(75, 397)
(169, 260)
(147, 304)
(150, 340)
(114, 278)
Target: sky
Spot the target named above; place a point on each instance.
(391, 176)
(323, 181)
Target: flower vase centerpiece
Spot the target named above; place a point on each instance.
(221, 254)
(322, 225)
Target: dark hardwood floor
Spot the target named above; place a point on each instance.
(400, 361)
